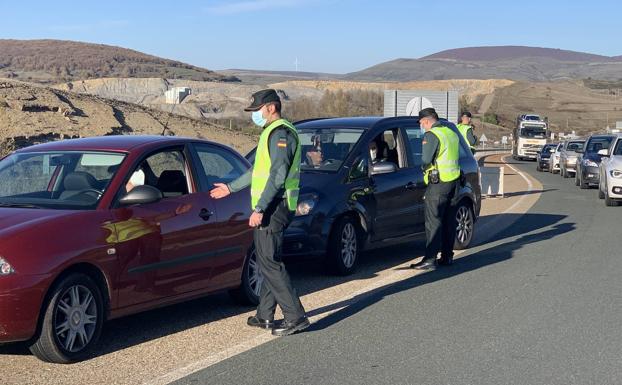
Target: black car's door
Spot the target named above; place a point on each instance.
(394, 193)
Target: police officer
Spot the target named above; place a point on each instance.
(466, 129)
(274, 182)
(442, 176)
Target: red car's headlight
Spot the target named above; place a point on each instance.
(5, 267)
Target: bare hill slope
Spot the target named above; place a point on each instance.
(32, 114)
(58, 60)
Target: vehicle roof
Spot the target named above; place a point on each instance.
(115, 143)
(365, 122)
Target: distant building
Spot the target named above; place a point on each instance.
(177, 94)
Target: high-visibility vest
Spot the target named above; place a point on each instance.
(261, 168)
(464, 130)
(448, 157)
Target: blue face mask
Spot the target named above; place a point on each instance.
(258, 118)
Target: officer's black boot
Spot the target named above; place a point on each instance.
(426, 264)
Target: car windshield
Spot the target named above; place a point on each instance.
(596, 144)
(533, 132)
(574, 146)
(57, 180)
(325, 149)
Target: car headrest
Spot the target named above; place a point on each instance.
(79, 180)
(172, 181)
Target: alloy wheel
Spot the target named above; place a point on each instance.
(464, 221)
(75, 318)
(348, 245)
(255, 278)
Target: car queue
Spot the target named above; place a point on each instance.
(593, 162)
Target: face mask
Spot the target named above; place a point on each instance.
(258, 118)
(373, 154)
(138, 178)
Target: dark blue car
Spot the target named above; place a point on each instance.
(589, 160)
(350, 202)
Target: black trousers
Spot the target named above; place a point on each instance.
(440, 220)
(276, 287)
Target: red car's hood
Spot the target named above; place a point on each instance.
(16, 218)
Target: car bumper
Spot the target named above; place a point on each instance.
(590, 175)
(544, 163)
(20, 303)
(615, 188)
(570, 166)
(307, 235)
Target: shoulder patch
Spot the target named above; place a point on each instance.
(282, 143)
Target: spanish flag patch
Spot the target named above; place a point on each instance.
(282, 143)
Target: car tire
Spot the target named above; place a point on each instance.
(343, 249)
(583, 185)
(73, 313)
(601, 193)
(538, 168)
(465, 225)
(576, 178)
(566, 174)
(250, 286)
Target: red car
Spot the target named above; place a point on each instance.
(98, 228)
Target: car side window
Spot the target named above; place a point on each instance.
(360, 168)
(218, 165)
(165, 170)
(415, 140)
(389, 148)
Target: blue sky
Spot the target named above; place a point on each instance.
(336, 36)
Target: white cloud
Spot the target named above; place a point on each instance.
(233, 7)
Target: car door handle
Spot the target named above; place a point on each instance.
(410, 186)
(205, 214)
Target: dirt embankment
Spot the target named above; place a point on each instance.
(31, 114)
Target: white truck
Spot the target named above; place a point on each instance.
(529, 136)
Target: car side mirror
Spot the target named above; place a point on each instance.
(141, 195)
(579, 151)
(383, 168)
(603, 152)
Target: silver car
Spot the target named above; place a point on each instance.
(610, 170)
(554, 159)
(568, 157)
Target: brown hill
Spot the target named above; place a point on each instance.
(56, 60)
(512, 62)
(516, 52)
(31, 114)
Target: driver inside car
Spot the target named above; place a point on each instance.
(314, 154)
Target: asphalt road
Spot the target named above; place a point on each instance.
(541, 304)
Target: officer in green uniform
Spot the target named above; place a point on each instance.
(441, 154)
(466, 129)
(274, 182)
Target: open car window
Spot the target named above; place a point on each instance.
(325, 149)
(58, 180)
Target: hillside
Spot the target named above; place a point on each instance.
(516, 52)
(31, 114)
(50, 61)
(515, 63)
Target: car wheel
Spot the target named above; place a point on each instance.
(576, 178)
(583, 185)
(72, 321)
(465, 226)
(344, 247)
(252, 279)
(601, 193)
(538, 168)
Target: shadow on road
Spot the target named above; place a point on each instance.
(470, 262)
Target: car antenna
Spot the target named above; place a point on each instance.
(169, 118)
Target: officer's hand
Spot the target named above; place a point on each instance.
(255, 219)
(220, 190)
